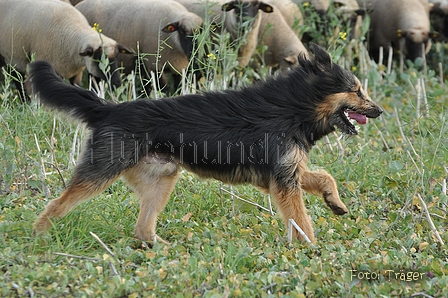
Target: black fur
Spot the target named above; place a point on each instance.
(238, 132)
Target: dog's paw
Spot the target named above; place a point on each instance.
(339, 210)
(156, 239)
(335, 204)
(151, 239)
(138, 243)
(41, 225)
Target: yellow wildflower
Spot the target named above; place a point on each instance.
(97, 28)
(343, 35)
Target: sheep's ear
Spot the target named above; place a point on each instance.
(265, 7)
(401, 33)
(171, 27)
(228, 6)
(291, 60)
(321, 56)
(87, 52)
(123, 50)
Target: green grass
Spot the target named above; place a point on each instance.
(226, 248)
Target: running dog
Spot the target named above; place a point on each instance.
(261, 134)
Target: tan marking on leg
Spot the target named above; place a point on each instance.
(153, 183)
(77, 192)
(291, 205)
(286, 191)
(323, 184)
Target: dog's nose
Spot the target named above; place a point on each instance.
(379, 112)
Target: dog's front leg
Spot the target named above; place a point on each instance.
(291, 206)
(322, 184)
(153, 185)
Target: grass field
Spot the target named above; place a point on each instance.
(391, 177)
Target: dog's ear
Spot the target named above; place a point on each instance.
(321, 56)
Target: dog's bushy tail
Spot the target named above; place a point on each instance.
(53, 92)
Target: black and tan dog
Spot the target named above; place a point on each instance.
(261, 135)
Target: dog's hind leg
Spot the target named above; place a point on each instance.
(322, 184)
(80, 189)
(153, 183)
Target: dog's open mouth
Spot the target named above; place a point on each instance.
(346, 125)
(360, 118)
(346, 115)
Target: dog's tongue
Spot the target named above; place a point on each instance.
(361, 119)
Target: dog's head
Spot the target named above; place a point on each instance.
(340, 98)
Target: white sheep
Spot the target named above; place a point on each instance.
(54, 31)
(161, 30)
(290, 12)
(281, 42)
(238, 17)
(402, 24)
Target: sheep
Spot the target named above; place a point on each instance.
(402, 24)
(230, 17)
(161, 30)
(290, 12)
(54, 31)
(282, 43)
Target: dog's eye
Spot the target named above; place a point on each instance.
(359, 92)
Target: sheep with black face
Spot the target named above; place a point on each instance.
(402, 24)
(241, 18)
(161, 30)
